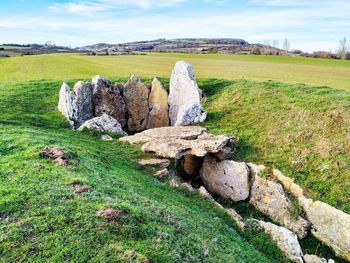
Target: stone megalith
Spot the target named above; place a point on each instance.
(189, 114)
(104, 123)
(136, 97)
(158, 104)
(107, 99)
(183, 89)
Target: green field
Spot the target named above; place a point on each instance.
(303, 130)
(319, 72)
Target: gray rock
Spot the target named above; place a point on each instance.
(190, 114)
(136, 96)
(183, 89)
(227, 178)
(158, 104)
(329, 225)
(107, 99)
(106, 137)
(286, 240)
(65, 103)
(105, 123)
(269, 198)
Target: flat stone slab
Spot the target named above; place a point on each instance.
(176, 142)
(155, 162)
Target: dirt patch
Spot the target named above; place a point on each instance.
(58, 156)
(80, 188)
(112, 214)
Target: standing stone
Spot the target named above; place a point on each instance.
(158, 104)
(65, 101)
(189, 114)
(108, 99)
(183, 89)
(329, 225)
(136, 96)
(229, 179)
(82, 97)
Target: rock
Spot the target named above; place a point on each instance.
(105, 123)
(187, 186)
(65, 103)
(183, 89)
(314, 259)
(174, 183)
(288, 183)
(286, 240)
(106, 137)
(204, 193)
(269, 198)
(107, 99)
(57, 155)
(189, 166)
(190, 114)
(176, 142)
(329, 225)
(224, 154)
(237, 218)
(158, 104)
(82, 103)
(228, 179)
(136, 96)
(165, 163)
(162, 173)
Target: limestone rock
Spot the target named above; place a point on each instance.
(224, 154)
(107, 99)
(187, 186)
(65, 103)
(286, 240)
(158, 104)
(162, 173)
(136, 96)
(105, 123)
(237, 218)
(190, 114)
(314, 259)
(183, 89)
(227, 178)
(329, 225)
(155, 162)
(269, 198)
(288, 183)
(106, 137)
(82, 103)
(204, 193)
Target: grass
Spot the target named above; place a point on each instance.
(42, 219)
(332, 73)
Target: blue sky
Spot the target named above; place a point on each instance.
(308, 24)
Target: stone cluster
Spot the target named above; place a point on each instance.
(134, 106)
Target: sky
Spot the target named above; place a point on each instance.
(310, 25)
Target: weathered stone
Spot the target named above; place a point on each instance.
(204, 193)
(82, 100)
(224, 154)
(227, 178)
(158, 104)
(329, 225)
(107, 99)
(314, 259)
(288, 183)
(237, 218)
(162, 173)
(65, 103)
(269, 198)
(190, 114)
(187, 186)
(155, 162)
(106, 137)
(286, 240)
(136, 96)
(183, 89)
(105, 123)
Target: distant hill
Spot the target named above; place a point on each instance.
(184, 45)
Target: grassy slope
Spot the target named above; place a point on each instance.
(331, 73)
(303, 131)
(43, 220)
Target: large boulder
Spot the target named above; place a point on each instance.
(136, 96)
(189, 114)
(286, 240)
(107, 99)
(158, 104)
(104, 123)
(183, 89)
(76, 105)
(227, 178)
(270, 198)
(329, 225)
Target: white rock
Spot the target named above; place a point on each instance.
(227, 178)
(82, 103)
(314, 259)
(183, 89)
(162, 173)
(329, 225)
(286, 240)
(189, 114)
(65, 101)
(106, 137)
(105, 123)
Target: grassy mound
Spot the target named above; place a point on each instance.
(43, 217)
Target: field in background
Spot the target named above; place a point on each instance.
(319, 72)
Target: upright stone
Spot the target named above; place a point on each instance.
(136, 96)
(82, 103)
(158, 104)
(107, 99)
(183, 89)
(65, 101)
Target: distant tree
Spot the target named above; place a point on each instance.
(343, 48)
(286, 45)
(276, 45)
